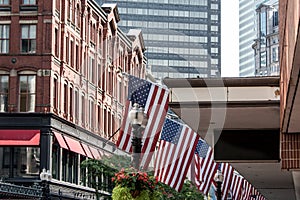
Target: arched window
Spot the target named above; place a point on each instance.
(27, 91)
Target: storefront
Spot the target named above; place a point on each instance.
(32, 142)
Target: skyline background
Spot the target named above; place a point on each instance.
(230, 38)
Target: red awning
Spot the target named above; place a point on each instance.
(74, 145)
(61, 140)
(19, 137)
(87, 150)
(95, 153)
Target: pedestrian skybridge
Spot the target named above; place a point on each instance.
(239, 117)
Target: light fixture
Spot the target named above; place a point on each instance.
(219, 180)
(136, 115)
(219, 177)
(45, 175)
(138, 120)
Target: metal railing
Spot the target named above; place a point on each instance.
(9, 189)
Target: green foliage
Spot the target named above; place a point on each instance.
(117, 161)
(121, 193)
(188, 192)
(109, 166)
(139, 184)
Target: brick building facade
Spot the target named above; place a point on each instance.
(289, 61)
(62, 88)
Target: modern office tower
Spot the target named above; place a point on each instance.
(248, 33)
(267, 41)
(182, 37)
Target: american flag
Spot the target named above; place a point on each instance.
(255, 195)
(247, 189)
(205, 166)
(236, 186)
(154, 100)
(175, 153)
(227, 171)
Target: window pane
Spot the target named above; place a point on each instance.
(32, 33)
(25, 46)
(6, 31)
(3, 103)
(4, 38)
(5, 2)
(31, 103)
(30, 2)
(32, 46)
(3, 93)
(22, 103)
(31, 84)
(25, 30)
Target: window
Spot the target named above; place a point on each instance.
(76, 105)
(275, 18)
(72, 53)
(99, 125)
(275, 54)
(109, 127)
(29, 2)
(91, 114)
(4, 93)
(19, 161)
(92, 74)
(28, 39)
(65, 101)
(4, 2)
(71, 10)
(105, 122)
(70, 166)
(55, 94)
(77, 19)
(56, 49)
(55, 160)
(110, 82)
(27, 93)
(4, 38)
(71, 103)
(77, 57)
(83, 110)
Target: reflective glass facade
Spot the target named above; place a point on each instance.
(247, 34)
(182, 37)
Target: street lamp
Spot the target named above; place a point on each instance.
(219, 180)
(45, 176)
(138, 121)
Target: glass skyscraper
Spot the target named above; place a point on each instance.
(182, 37)
(247, 34)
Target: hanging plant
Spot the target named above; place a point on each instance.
(131, 185)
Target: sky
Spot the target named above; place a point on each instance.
(230, 38)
